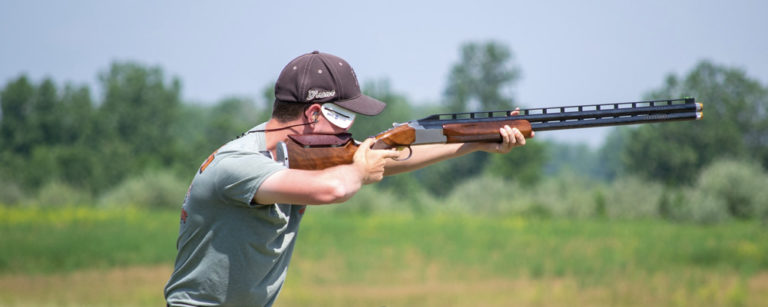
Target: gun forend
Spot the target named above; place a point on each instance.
(483, 131)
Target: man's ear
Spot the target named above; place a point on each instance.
(312, 113)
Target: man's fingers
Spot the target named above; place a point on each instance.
(363, 149)
(513, 133)
(391, 153)
(520, 139)
(505, 134)
(370, 161)
(368, 143)
(385, 153)
(515, 112)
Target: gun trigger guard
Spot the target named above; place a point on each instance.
(410, 153)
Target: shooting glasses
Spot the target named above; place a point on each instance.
(337, 115)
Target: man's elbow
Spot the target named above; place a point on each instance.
(334, 191)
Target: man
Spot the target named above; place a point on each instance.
(241, 214)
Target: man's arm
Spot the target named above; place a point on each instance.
(331, 185)
(424, 155)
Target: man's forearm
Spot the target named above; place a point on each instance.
(425, 155)
(310, 187)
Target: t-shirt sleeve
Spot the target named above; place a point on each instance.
(239, 177)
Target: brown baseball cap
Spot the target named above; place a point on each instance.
(321, 77)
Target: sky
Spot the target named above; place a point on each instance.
(569, 52)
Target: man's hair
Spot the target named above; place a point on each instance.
(288, 111)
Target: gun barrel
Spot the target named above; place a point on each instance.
(584, 116)
(606, 113)
(614, 121)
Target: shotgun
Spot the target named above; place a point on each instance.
(319, 151)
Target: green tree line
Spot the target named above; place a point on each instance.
(61, 134)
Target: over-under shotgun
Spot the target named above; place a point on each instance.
(319, 151)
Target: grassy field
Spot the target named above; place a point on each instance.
(35, 240)
(89, 257)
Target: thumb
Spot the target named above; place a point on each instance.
(364, 148)
(368, 143)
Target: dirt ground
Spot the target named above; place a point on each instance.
(133, 286)
(142, 286)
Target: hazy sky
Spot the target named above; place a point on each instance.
(570, 52)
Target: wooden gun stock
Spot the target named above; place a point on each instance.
(320, 151)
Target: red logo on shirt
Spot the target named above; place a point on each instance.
(208, 161)
(184, 216)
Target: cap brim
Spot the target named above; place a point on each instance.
(362, 105)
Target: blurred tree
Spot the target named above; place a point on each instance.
(77, 112)
(203, 129)
(46, 114)
(16, 133)
(736, 110)
(66, 122)
(230, 118)
(482, 80)
(525, 164)
(268, 99)
(192, 143)
(139, 107)
(44, 134)
(578, 159)
(52, 135)
(610, 154)
(735, 126)
(135, 121)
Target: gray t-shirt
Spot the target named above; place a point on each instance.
(232, 252)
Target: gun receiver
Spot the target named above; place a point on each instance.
(322, 151)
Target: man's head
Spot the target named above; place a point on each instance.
(315, 79)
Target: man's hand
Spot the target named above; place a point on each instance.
(370, 162)
(330, 185)
(510, 138)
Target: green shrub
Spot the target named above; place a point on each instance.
(704, 208)
(673, 204)
(631, 198)
(60, 194)
(739, 188)
(724, 190)
(566, 195)
(10, 193)
(368, 200)
(485, 195)
(372, 200)
(153, 189)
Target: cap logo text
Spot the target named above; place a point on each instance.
(319, 94)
